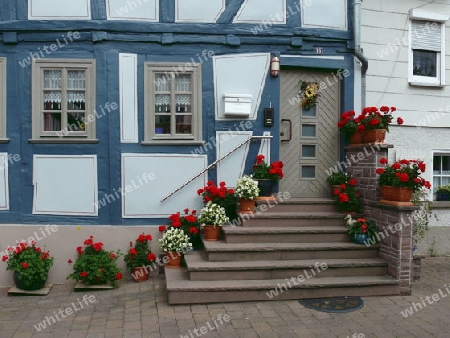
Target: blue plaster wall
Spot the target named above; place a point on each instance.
(166, 41)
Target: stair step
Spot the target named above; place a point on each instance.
(297, 218)
(201, 269)
(221, 251)
(183, 291)
(300, 204)
(286, 234)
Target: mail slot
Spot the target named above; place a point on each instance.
(237, 104)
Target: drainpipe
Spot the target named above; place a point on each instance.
(358, 51)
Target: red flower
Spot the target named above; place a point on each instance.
(133, 251)
(162, 228)
(80, 250)
(193, 230)
(148, 237)
(343, 197)
(24, 265)
(112, 255)
(396, 166)
(200, 191)
(427, 185)
(83, 274)
(403, 177)
(393, 109)
(399, 120)
(374, 122)
(194, 212)
(383, 160)
(119, 276)
(342, 186)
(4, 258)
(97, 246)
(186, 211)
(69, 261)
(88, 241)
(336, 191)
(151, 257)
(352, 181)
(361, 128)
(421, 166)
(259, 159)
(379, 171)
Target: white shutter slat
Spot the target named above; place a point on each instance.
(425, 37)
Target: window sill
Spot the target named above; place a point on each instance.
(440, 204)
(425, 84)
(4, 140)
(63, 140)
(173, 143)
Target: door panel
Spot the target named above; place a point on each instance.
(309, 138)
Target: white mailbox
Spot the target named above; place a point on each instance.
(237, 104)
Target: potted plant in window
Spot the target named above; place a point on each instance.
(247, 190)
(30, 265)
(94, 265)
(443, 193)
(362, 230)
(267, 176)
(139, 257)
(212, 217)
(220, 195)
(175, 242)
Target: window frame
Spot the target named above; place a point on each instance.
(417, 15)
(38, 134)
(3, 106)
(174, 69)
(440, 175)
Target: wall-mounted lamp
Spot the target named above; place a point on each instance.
(274, 66)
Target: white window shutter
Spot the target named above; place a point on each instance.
(425, 37)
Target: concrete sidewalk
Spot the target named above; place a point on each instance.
(141, 310)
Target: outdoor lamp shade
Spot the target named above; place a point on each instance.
(275, 66)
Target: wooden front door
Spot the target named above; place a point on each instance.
(309, 141)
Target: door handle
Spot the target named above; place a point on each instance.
(290, 130)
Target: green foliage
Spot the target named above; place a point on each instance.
(140, 254)
(363, 226)
(443, 189)
(338, 178)
(31, 262)
(347, 197)
(94, 265)
(264, 171)
(422, 215)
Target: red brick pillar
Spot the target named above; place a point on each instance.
(394, 223)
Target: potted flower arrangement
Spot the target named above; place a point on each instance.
(175, 242)
(443, 193)
(30, 265)
(267, 175)
(375, 122)
(247, 190)
(309, 92)
(351, 128)
(220, 195)
(335, 179)
(188, 222)
(347, 197)
(362, 230)
(399, 180)
(94, 265)
(212, 217)
(139, 257)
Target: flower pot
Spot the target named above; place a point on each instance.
(360, 238)
(35, 285)
(266, 188)
(357, 138)
(212, 233)
(247, 206)
(398, 194)
(443, 196)
(386, 192)
(139, 274)
(375, 136)
(174, 260)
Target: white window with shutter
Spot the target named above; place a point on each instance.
(427, 48)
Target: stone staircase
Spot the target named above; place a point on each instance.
(295, 250)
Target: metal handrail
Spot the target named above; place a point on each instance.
(213, 164)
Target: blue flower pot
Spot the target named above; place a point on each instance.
(360, 238)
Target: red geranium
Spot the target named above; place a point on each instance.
(140, 254)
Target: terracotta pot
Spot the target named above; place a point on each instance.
(174, 260)
(212, 233)
(357, 138)
(247, 206)
(399, 194)
(386, 192)
(139, 274)
(375, 136)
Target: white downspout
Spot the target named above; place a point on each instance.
(358, 51)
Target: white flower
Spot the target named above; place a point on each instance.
(247, 188)
(176, 240)
(213, 214)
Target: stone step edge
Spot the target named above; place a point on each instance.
(295, 214)
(221, 246)
(199, 263)
(177, 280)
(301, 201)
(329, 229)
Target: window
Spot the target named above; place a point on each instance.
(64, 100)
(59, 9)
(2, 99)
(173, 109)
(427, 52)
(441, 170)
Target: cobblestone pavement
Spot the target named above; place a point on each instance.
(141, 310)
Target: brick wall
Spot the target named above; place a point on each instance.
(394, 223)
